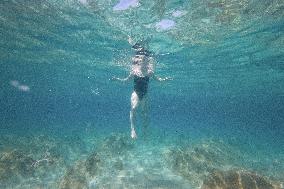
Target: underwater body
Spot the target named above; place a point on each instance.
(218, 124)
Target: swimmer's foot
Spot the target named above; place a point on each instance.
(133, 134)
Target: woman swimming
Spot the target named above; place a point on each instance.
(142, 70)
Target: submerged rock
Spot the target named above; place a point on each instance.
(207, 158)
(78, 177)
(15, 164)
(107, 157)
(92, 164)
(237, 180)
(75, 178)
(194, 163)
(117, 143)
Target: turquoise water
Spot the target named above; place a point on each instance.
(65, 125)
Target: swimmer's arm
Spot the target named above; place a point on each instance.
(130, 40)
(122, 79)
(161, 79)
(151, 62)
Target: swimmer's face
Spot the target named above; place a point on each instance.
(139, 59)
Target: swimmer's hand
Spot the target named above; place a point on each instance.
(130, 40)
(168, 79)
(119, 79)
(163, 79)
(114, 79)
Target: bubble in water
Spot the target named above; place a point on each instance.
(83, 2)
(178, 13)
(19, 86)
(92, 184)
(125, 4)
(14, 83)
(165, 24)
(24, 88)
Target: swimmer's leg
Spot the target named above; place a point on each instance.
(133, 112)
(145, 115)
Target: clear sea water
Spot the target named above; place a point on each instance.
(58, 109)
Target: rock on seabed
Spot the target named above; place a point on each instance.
(237, 180)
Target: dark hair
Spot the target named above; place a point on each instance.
(137, 46)
(140, 49)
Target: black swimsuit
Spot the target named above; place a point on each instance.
(141, 86)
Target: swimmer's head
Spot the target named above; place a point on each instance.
(138, 60)
(140, 50)
(138, 46)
